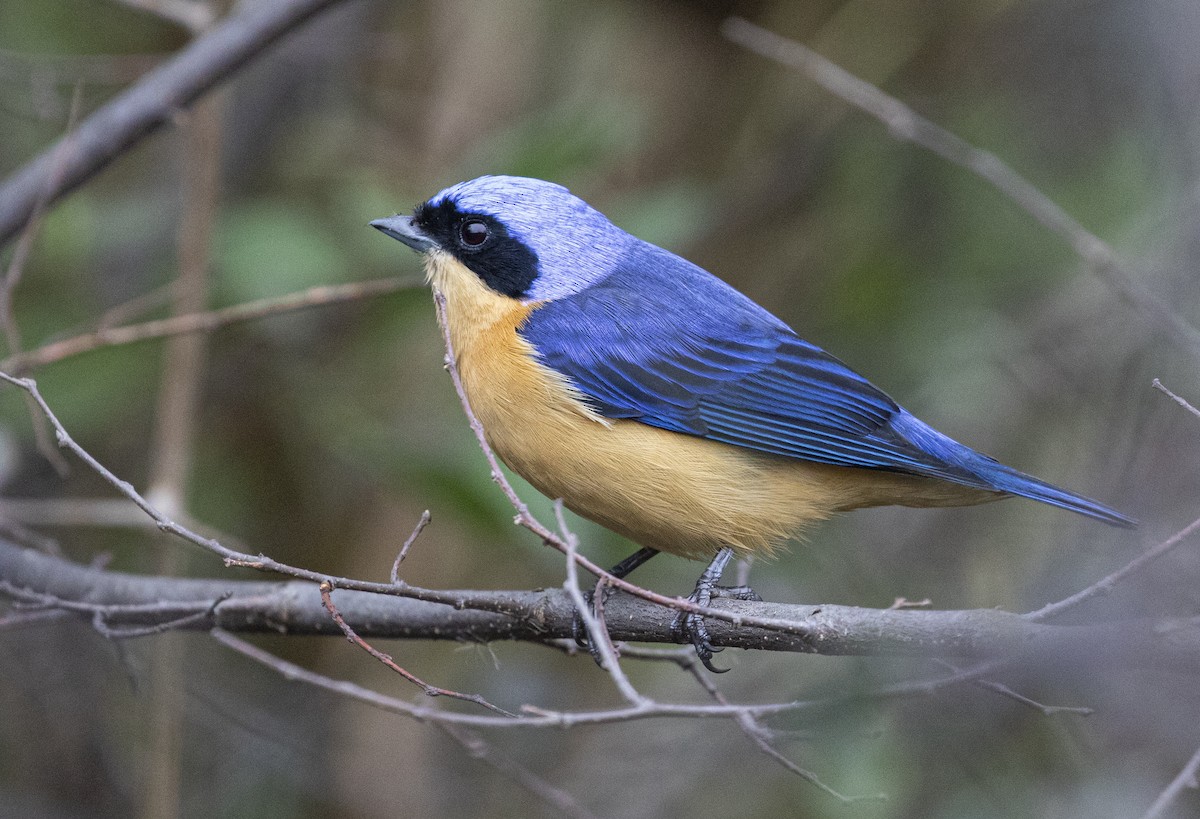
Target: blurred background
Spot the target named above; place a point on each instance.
(319, 437)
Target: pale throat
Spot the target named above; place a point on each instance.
(483, 329)
(471, 306)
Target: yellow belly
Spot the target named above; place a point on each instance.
(672, 492)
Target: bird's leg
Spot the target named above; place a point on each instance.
(626, 566)
(578, 630)
(690, 627)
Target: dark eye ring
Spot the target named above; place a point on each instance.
(473, 232)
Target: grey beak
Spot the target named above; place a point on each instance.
(402, 229)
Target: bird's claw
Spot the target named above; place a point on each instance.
(736, 593)
(686, 627)
(690, 627)
(579, 631)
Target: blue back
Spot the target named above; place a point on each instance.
(662, 341)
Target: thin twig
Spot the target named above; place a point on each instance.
(202, 322)
(905, 123)
(20, 619)
(408, 542)
(761, 736)
(1005, 691)
(1106, 584)
(15, 272)
(1047, 710)
(99, 624)
(532, 717)
(597, 633)
(386, 659)
(476, 747)
(1158, 385)
(599, 592)
(1185, 779)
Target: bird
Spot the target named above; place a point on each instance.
(657, 400)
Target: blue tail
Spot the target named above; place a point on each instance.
(964, 465)
(1013, 482)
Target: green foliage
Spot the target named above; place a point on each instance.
(270, 248)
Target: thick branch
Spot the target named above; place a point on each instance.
(135, 601)
(153, 101)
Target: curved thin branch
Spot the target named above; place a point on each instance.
(150, 103)
(905, 123)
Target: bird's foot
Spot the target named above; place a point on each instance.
(690, 627)
(578, 628)
(735, 593)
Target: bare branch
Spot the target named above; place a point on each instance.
(408, 542)
(202, 322)
(151, 103)
(1158, 385)
(905, 123)
(1105, 584)
(557, 798)
(598, 633)
(387, 660)
(279, 607)
(1185, 779)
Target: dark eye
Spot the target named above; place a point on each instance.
(473, 232)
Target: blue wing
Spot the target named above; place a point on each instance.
(663, 342)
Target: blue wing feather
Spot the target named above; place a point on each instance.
(663, 342)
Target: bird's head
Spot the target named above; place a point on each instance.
(524, 238)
